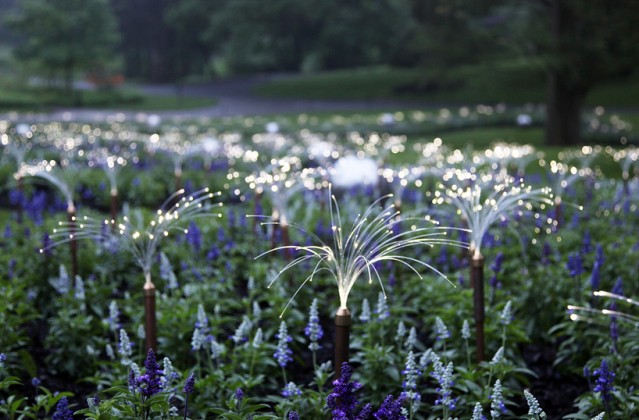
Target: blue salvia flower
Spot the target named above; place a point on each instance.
(382, 307)
(141, 332)
(3, 359)
(497, 407)
(136, 369)
(427, 358)
(291, 390)
(618, 287)
(169, 374)
(506, 316)
(257, 310)
(150, 383)
(11, 268)
(478, 412)
(441, 331)
(213, 253)
(201, 331)
(533, 405)
(595, 276)
(124, 348)
(465, 331)
(194, 237)
(342, 401)
(365, 316)
(109, 352)
(292, 415)
(189, 385)
(36, 382)
(79, 293)
(114, 317)
(498, 357)
(603, 382)
(575, 264)
(546, 253)
(258, 338)
(411, 341)
(313, 329)
(390, 409)
(217, 349)
(166, 272)
(239, 394)
(445, 378)
(47, 247)
(62, 283)
(401, 332)
(614, 328)
(586, 245)
(8, 233)
(62, 411)
(131, 381)
(283, 354)
(411, 375)
(495, 266)
(241, 333)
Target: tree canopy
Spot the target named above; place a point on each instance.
(62, 37)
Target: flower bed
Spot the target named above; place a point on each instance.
(249, 276)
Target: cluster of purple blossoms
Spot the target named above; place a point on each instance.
(496, 267)
(595, 276)
(194, 237)
(603, 382)
(575, 264)
(150, 383)
(313, 329)
(343, 403)
(62, 411)
(283, 354)
(391, 409)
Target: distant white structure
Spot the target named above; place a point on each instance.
(349, 171)
(524, 120)
(272, 127)
(153, 120)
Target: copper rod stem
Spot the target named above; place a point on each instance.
(73, 244)
(150, 321)
(343, 323)
(477, 279)
(114, 208)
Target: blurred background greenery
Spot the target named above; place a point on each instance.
(565, 53)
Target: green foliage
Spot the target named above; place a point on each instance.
(63, 38)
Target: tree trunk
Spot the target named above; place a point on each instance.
(564, 96)
(563, 111)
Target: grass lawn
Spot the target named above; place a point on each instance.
(508, 82)
(121, 98)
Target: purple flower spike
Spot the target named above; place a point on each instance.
(189, 384)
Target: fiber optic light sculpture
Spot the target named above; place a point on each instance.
(143, 240)
(355, 249)
(64, 177)
(484, 202)
(17, 149)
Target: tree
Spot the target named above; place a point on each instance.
(63, 37)
(580, 44)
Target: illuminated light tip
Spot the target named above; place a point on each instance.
(574, 317)
(41, 251)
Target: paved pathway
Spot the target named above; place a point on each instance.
(234, 98)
